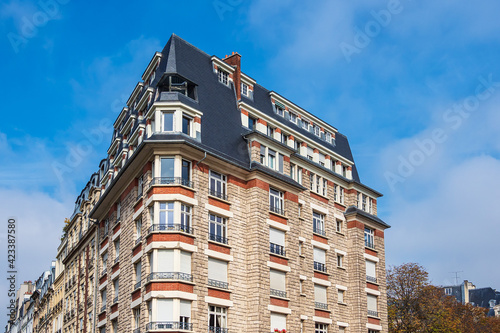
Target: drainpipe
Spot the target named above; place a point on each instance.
(201, 159)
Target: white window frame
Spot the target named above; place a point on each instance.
(244, 89)
(213, 313)
(369, 238)
(320, 328)
(319, 223)
(218, 180)
(217, 221)
(276, 201)
(223, 76)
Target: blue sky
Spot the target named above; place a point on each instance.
(415, 85)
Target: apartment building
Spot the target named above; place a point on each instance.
(221, 207)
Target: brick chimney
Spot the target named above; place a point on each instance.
(235, 60)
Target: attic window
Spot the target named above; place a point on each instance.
(178, 84)
(279, 109)
(244, 89)
(223, 76)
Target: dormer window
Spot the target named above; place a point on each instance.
(304, 124)
(244, 89)
(223, 76)
(293, 117)
(279, 109)
(316, 130)
(270, 131)
(328, 137)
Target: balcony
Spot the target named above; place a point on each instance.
(218, 194)
(218, 284)
(319, 267)
(277, 249)
(278, 293)
(218, 239)
(372, 313)
(171, 227)
(371, 279)
(115, 300)
(319, 231)
(168, 325)
(103, 308)
(137, 285)
(138, 240)
(277, 210)
(171, 181)
(169, 276)
(212, 329)
(321, 306)
(369, 244)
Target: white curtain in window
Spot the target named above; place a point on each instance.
(278, 321)
(165, 261)
(277, 280)
(320, 294)
(310, 151)
(217, 270)
(370, 268)
(277, 236)
(164, 309)
(322, 158)
(185, 310)
(372, 302)
(185, 262)
(319, 255)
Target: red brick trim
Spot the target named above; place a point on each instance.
(339, 206)
(116, 267)
(278, 260)
(277, 218)
(137, 206)
(318, 197)
(245, 112)
(219, 248)
(136, 294)
(292, 197)
(116, 228)
(170, 237)
(102, 316)
(371, 286)
(374, 321)
(321, 276)
(137, 249)
(197, 120)
(164, 286)
(257, 183)
(323, 314)
(262, 121)
(114, 308)
(129, 188)
(278, 302)
(219, 293)
(320, 239)
(104, 242)
(236, 181)
(286, 159)
(371, 252)
(355, 224)
(379, 233)
(171, 190)
(255, 144)
(218, 203)
(103, 279)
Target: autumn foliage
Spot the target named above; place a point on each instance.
(414, 305)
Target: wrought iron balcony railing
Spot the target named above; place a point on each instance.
(171, 227)
(319, 231)
(371, 279)
(321, 306)
(218, 284)
(279, 293)
(218, 238)
(213, 329)
(171, 181)
(373, 313)
(218, 194)
(319, 267)
(163, 325)
(277, 210)
(277, 249)
(169, 276)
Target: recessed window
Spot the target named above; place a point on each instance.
(319, 259)
(222, 76)
(270, 131)
(304, 124)
(372, 305)
(293, 117)
(217, 185)
(217, 319)
(319, 223)
(339, 226)
(369, 239)
(186, 125)
(341, 296)
(280, 111)
(340, 260)
(217, 273)
(244, 89)
(316, 130)
(447, 291)
(218, 229)
(320, 297)
(276, 201)
(168, 122)
(252, 123)
(371, 271)
(320, 328)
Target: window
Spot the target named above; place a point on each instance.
(185, 172)
(252, 123)
(185, 315)
(278, 322)
(369, 237)
(150, 310)
(186, 125)
(222, 76)
(339, 226)
(218, 229)
(140, 185)
(137, 317)
(118, 211)
(340, 260)
(277, 283)
(164, 311)
(167, 122)
(166, 214)
(103, 299)
(319, 259)
(185, 217)
(320, 297)
(301, 248)
(316, 130)
(297, 144)
(105, 262)
(217, 319)
(263, 155)
(304, 124)
(371, 271)
(218, 184)
(280, 110)
(293, 171)
(341, 296)
(293, 117)
(447, 291)
(244, 89)
(117, 249)
(283, 138)
(319, 223)
(137, 274)
(270, 131)
(138, 227)
(320, 328)
(338, 195)
(106, 228)
(217, 273)
(372, 305)
(301, 291)
(328, 137)
(167, 170)
(276, 201)
(116, 289)
(115, 326)
(271, 159)
(277, 241)
(310, 153)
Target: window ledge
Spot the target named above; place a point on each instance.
(342, 303)
(339, 203)
(339, 233)
(316, 271)
(326, 310)
(371, 249)
(229, 290)
(302, 256)
(320, 235)
(278, 214)
(279, 297)
(278, 255)
(342, 268)
(218, 243)
(375, 317)
(219, 199)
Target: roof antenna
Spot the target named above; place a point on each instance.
(456, 276)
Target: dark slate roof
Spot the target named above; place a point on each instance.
(217, 102)
(355, 210)
(482, 296)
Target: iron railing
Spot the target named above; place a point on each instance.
(218, 239)
(373, 313)
(115, 300)
(218, 284)
(103, 308)
(171, 227)
(321, 306)
(169, 276)
(277, 249)
(319, 267)
(138, 240)
(218, 194)
(279, 293)
(104, 271)
(171, 181)
(163, 325)
(319, 231)
(137, 285)
(277, 210)
(371, 279)
(117, 259)
(213, 329)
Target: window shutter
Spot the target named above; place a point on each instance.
(185, 262)
(322, 158)
(280, 163)
(277, 280)
(185, 310)
(319, 255)
(372, 303)
(370, 268)
(310, 151)
(217, 270)
(278, 321)
(164, 309)
(320, 294)
(165, 261)
(277, 236)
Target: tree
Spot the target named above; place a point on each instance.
(416, 306)
(65, 228)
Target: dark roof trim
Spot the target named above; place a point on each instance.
(352, 210)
